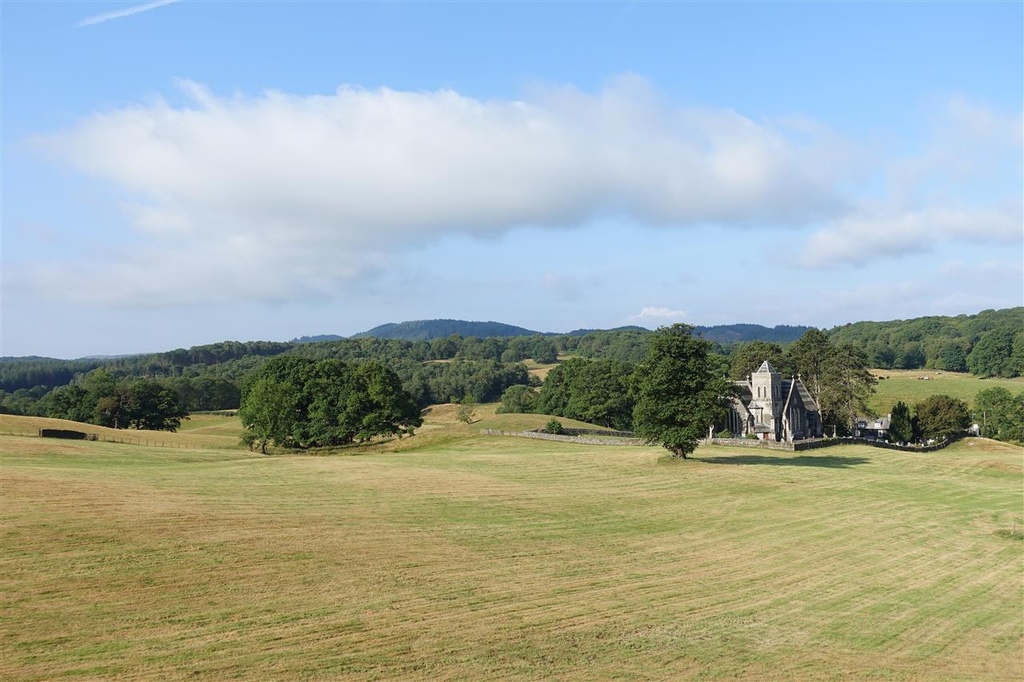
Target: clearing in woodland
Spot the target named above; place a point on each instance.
(451, 555)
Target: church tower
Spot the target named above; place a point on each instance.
(767, 399)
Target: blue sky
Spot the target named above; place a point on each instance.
(182, 173)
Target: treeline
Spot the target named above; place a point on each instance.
(988, 344)
(32, 372)
(454, 368)
(212, 377)
(101, 399)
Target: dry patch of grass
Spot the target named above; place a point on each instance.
(458, 556)
(539, 370)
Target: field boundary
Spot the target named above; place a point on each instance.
(107, 438)
(616, 438)
(817, 443)
(537, 435)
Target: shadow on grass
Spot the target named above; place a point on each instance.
(798, 461)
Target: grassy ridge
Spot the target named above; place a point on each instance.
(456, 556)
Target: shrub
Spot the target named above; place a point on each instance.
(554, 426)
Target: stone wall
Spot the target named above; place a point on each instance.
(798, 446)
(539, 435)
(816, 443)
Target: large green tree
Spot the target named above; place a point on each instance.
(679, 395)
(942, 416)
(594, 391)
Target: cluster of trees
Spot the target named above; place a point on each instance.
(937, 417)
(1000, 414)
(99, 398)
(296, 402)
(594, 391)
(205, 393)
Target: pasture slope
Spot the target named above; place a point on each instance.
(914, 385)
(451, 555)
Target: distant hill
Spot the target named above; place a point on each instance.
(425, 330)
(317, 339)
(627, 328)
(731, 333)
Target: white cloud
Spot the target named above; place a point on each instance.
(862, 238)
(279, 197)
(300, 192)
(964, 186)
(118, 14)
(661, 313)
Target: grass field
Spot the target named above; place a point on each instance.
(198, 432)
(451, 555)
(912, 387)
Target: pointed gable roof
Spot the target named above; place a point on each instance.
(766, 368)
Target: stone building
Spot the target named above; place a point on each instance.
(773, 408)
(872, 428)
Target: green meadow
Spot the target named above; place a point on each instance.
(914, 385)
(452, 555)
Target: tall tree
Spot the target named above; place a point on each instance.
(846, 386)
(901, 425)
(807, 357)
(679, 395)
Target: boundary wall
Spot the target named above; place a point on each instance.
(567, 438)
(626, 438)
(816, 443)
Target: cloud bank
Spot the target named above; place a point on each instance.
(278, 197)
